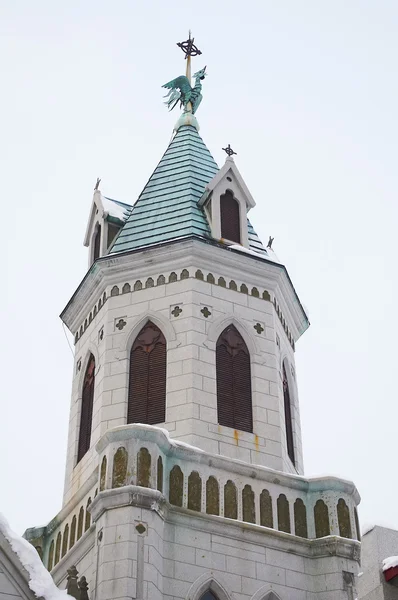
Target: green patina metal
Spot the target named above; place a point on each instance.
(181, 91)
(167, 208)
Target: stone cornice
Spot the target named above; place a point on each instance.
(179, 451)
(228, 262)
(132, 495)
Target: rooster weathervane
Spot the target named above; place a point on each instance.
(180, 87)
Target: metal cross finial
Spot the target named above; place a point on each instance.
(229, 150)
(188, 47)
(97, 184)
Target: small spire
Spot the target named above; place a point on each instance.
(96, 187)
(229, 151)
(270, 240)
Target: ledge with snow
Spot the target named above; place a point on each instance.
(390, 570)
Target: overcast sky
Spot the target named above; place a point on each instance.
(306, 93)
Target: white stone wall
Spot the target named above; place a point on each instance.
(191, 405)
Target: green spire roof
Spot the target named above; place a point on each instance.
(167, 208)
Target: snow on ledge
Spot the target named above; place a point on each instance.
(390, 562)
(114, 209)
(270, 254)
(40, 580)
(173, 442)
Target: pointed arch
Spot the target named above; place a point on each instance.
(80, 523)
(72, 537)
(217, 326)
(86, 415)
(288, 415)
(92, 350)
(139, 323)
(344, 519)
(264, 593)
(65, 539)
(209, 582)
(282, 504)
(147, 377)
(233, 374)
(58, 549)
(321, 518)
(50, 563)
(230, 217)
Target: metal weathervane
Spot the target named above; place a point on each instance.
(180, 87)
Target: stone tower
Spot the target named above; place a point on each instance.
(184, 475)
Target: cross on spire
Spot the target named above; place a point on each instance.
(188, 47)
(229, 150)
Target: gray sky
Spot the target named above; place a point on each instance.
(306, 93)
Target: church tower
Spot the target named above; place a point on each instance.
(184, 475)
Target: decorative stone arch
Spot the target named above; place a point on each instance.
(217, 327)
(92, 350)
(157, 319)
(264, 593)
(206, 582)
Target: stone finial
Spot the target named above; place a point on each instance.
(83, 587)
(71, 585)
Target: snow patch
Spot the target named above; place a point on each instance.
(269, 256)
(246, 250)
(114, 210)
(174, 443)
(390, 562)
(40, 580)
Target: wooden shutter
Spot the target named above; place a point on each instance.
(234, 395)
(230, 219)
(147, 381)
(97, 242)
(288, 417)
(87, 409)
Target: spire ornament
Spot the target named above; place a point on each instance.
(180, 88)
(188, 47)
(229, 150)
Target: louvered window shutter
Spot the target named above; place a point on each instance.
(230, 220)
(234, 395)
(147, 381)
(97, 242)
(288, 417)
(87, 409)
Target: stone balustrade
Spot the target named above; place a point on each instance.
(143, 455)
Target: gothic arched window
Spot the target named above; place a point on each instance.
(208, 595)
(87, 409)
(97, 243)
(147, 380)
(230, 219)
(288, 417)
(234, 392)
